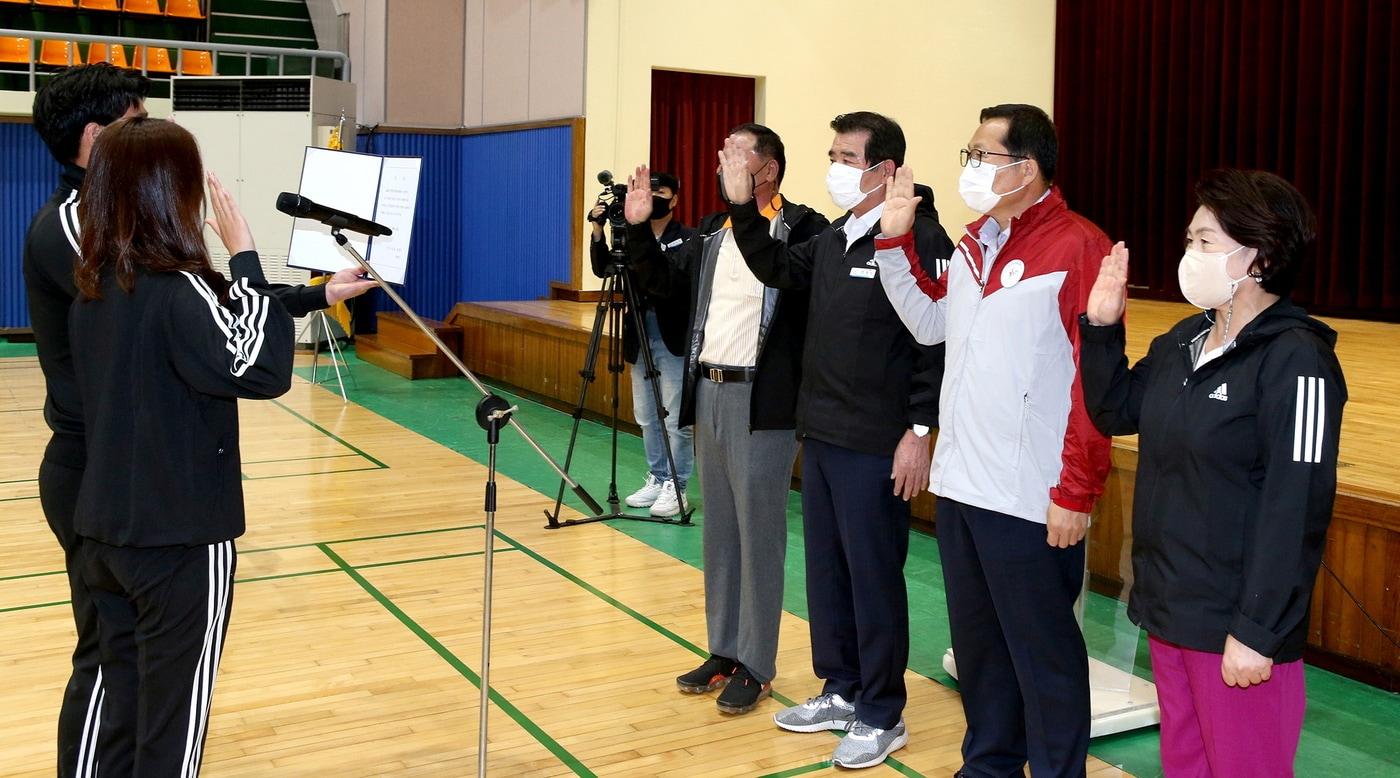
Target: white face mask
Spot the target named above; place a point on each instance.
(1204, 279)
(843, 184)
(975, 186)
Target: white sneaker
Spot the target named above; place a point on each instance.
(666, 503)
(646, 495)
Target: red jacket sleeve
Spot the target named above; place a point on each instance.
(1085, 456)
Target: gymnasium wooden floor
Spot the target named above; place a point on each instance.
(354, 644)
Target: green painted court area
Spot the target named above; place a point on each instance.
(1351, 730)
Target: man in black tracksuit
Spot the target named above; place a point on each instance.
(664, 321)
(743, 363)
(868, 397)
(69, 112)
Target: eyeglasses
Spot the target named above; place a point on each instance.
(976, 156)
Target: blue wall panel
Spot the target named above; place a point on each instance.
(28, 175)
(494, 215)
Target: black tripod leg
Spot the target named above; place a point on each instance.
(652, 376)
(590, 362)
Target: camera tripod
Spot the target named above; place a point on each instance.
(620, 298)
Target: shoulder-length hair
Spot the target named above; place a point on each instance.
(142, 206)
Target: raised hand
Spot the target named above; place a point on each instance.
(734, 169)
(1109, 297)
(228, 222)
(900, 203)
(637, 206)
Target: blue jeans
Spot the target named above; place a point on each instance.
(672, 378)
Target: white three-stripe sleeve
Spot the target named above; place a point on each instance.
(242, 350)
(1310, 419)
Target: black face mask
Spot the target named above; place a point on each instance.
(719, 176)
(660, 206)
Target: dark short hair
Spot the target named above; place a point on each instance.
(886, 138)
(667, 180)
(1029, 133)
(72, 99)
(766, 144)
(1266, 213)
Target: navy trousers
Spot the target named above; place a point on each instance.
(1023, 670)
(857, 536)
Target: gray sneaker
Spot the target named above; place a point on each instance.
(866, 746)
(828, 711)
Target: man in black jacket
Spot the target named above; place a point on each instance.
(665, 322)
(69, 112)
(743, 362)
(869, 395)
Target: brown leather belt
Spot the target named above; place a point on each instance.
(726, 375)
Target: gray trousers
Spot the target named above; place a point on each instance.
(744, 478)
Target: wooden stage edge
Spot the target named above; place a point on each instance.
(539, 346)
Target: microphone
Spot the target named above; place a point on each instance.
(294, 204)
(605, 177)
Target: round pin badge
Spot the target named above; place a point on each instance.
(1011, 274)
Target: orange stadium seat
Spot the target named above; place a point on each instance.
(59, 54)
(151, 7)
(194, 62)
(187, 9)
(14, 51)
(101, 52)
(155, 58)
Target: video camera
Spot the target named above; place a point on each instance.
(612, 197)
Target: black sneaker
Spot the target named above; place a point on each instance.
(743, 693)
(714, 673)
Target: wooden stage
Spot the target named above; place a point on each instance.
(539, 347)
(354, 643)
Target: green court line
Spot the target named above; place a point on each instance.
(329, 434)
(571, 761)
(640, 617)
(388, 536)
(440, 557)
(301, 574)
(35, 605)
(32, 575)
(296, 459)
(803, 770)
(247, 477)
(294, 545)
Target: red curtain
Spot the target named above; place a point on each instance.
(690, 115)
(1150, 95)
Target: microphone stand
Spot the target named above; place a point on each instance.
(491, 413)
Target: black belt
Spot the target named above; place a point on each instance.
(727, 375)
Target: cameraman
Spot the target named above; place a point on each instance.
(665, 323)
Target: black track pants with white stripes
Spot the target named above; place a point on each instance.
(78, 717)
(162, 617)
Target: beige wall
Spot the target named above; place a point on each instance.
(467, 63)
(929, 64)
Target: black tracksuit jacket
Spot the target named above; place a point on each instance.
(688, 272)
(672, 316)
(1237, 471)
(159, 373)
(50, 253)
(865, 379)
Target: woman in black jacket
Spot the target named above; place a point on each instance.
(1238, 411)
(163, 348)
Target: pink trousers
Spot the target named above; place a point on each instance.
(1211, 730)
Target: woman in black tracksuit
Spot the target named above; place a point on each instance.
(163, 346)
(1238, 411)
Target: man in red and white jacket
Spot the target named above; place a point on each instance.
(1018, 463)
